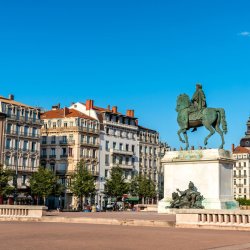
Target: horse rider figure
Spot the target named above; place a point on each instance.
(199, 98)
(198, 101)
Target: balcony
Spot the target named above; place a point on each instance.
(23, 169)
(52, 156)
(239, 185)
(60, 171)
(67, 142)
(43, 156)
(64, 156)
(123, 166)
(90, 144)
(121, 152)
(72, 129)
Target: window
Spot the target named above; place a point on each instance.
(106, 173)
(8, 143)
(44, 153)
(52, 151)
(34, 132)
(107, 131)
(9, 126)
(33, 163)
(120, 146)
(65, 124)
(120, 160)
(7, 160)
(25, 162)
(127, 147)
(126, 174)
(133, 148)
(26, 130)
(245, 172)
(114, 145)
(245, 181)
(25, 145)
(234, 181)
(107, 145)
(239, 190)
(114, 159)
(64, 150)
(44, 139)
(245, 164)
(64, 138)
(23, 179)
(54, 125)
(53, 139)
(33, 146)
(70, 152)
(127, 160)
(94, 153)
(107, 160)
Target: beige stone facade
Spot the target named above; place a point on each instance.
(69, 136)
(20, 150)
(241, 177)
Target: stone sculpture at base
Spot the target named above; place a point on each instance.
(189, 198)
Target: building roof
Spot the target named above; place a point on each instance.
(64, 112)
(241, 150)
(13, 102)
(147, 129)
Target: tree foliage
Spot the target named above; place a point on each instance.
(116, 185)
(6, 176)
(82, 182)
(43, 182)
(143, 187)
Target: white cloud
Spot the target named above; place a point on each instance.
(244, 33)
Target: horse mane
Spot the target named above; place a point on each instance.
(184, 101)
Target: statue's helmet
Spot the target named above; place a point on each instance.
(198, 85)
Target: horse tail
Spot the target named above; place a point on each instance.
(223, 119)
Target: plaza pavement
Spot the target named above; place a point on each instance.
(67, 236)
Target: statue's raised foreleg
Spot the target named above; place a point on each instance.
(210, 128)
(184, 132)
(179, 134)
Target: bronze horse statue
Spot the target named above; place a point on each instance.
(190, 117)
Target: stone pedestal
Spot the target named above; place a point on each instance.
(210, 170)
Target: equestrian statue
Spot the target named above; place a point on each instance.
(194, 113)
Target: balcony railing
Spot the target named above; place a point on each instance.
(52, 156)
(63, 156)
(67, 142)
(121, 152)
(90, 144)
(43, 156)
(22, 168)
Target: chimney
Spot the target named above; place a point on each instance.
(65, 111)
(89, 104)
(233, 148)
(11, 97)
(114, 109)
(56, 107)
(130, 113)
(136, 122)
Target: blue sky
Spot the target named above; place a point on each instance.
(134, 54)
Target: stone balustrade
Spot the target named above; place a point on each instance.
(212, 218)
(22, 211)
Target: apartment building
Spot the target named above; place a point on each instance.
(69, 136)
(241, 177)
(151, 151)
(20, 139)
(118, 141)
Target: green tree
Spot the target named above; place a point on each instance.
(116, 185)
(143, 187)
(42, 183)
(82, 183)
(6, 176)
